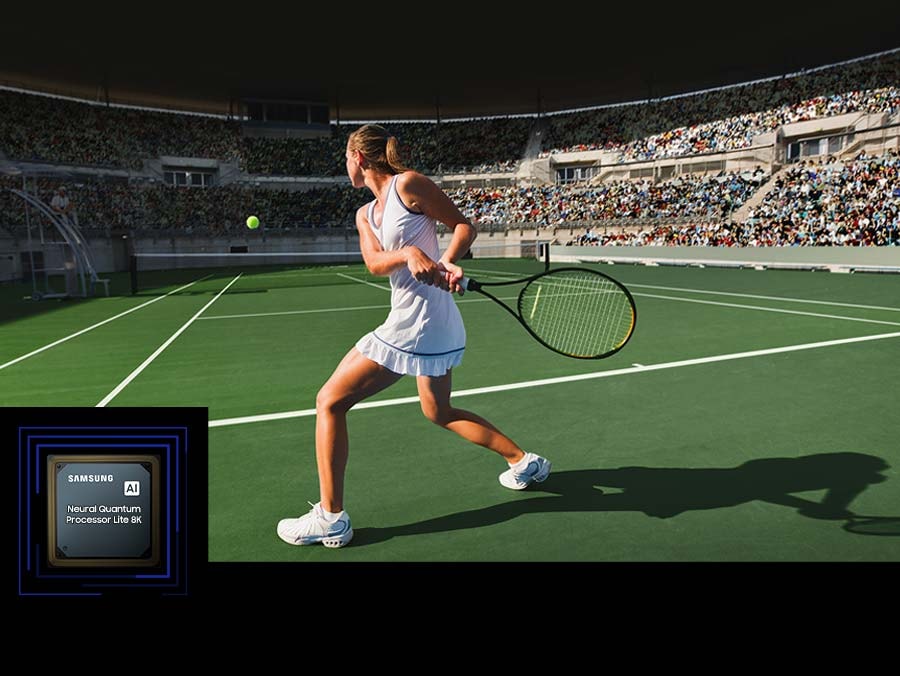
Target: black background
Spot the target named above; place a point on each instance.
(473, 58)
(140, 421)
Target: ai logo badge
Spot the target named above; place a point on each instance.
(133, 488)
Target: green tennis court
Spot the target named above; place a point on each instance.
(748, 412)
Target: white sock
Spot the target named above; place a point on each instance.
(522, 464)
(330, 517)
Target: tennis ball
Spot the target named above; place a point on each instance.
(252, 222)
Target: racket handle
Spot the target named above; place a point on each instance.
(469, 284)
(466, 283)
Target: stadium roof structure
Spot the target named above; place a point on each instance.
(389, 62)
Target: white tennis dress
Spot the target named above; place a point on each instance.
(424, 334)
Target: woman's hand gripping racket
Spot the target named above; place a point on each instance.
(573, 311)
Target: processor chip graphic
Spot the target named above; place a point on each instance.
(103, 510)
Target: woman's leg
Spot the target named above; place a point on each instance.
(434, 393)
(354, 379)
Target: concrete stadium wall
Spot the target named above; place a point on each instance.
(112, 255)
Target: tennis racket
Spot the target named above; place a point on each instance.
(573, 311)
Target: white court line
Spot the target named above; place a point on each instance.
(341, 309)
(782, 298)
(90, 328)
(336, 309)
(134, 374)
(362, 281)
(769, 309)
(725, 293)
(298, 312)
(733, 305)
(499, 273)
(646, 295)
(565, 379)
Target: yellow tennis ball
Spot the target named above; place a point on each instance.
(252, 222)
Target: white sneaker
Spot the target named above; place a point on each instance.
(313, 528)
(536, 469)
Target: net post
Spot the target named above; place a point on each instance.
(133, 268)
(546, 246)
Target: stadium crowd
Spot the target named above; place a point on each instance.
(118, 203)
(149, 206)
(429, 148)
(68, 132)
(552, 205)
(810, 203)
(59, 131)
(820, 203)
(727, 119)
(830, 203)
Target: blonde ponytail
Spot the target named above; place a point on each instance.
(382, 151)
(392, 155)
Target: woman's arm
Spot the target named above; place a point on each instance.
(382, 263)
(420, 193)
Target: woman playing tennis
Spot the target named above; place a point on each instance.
(423, 335)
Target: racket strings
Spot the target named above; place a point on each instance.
(579, 313)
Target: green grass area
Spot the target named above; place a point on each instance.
(713, 461)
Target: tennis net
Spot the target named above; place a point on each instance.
(155, 273)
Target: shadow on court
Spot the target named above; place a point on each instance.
(667, 492)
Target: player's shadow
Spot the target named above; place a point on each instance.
(667, 492)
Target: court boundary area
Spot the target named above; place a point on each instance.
(567, 379)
